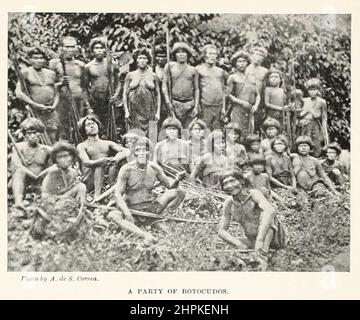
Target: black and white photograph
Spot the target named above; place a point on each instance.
(187, 142)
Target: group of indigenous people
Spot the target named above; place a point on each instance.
(194, 144)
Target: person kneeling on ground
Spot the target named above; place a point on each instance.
(133, 191)
(255, 214)
(60, 183)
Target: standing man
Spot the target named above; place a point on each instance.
(43, 94)
(180, 85)
(212, 81)
(259, 73)
(75, 80)
(243, 93)
(98, 73)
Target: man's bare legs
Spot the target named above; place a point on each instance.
(117, 217)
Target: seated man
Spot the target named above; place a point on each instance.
(95, 154)
(332, 166)
(133, 190)
(172, 151)
(28, 160)
(255, 214)
(60, 182)
(212, 164)
(308, 171)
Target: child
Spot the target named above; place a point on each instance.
(307, 169)
(275, 97)
(172, 151)
(313, 117)
(271, 128)
(257, 178)
(278, 164)
(234, 150)
(129, 140)
(332, 166)
(196, 141)
(252, 144)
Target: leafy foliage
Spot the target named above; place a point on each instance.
(320, 44)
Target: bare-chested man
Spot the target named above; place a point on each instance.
(95, 154)
(257, 217)
(182, 80)
(243, 93)
(75, 79)
(172, 151)
(313, 117)
(212, 80)
(307, 169)
(133, 190)
(97, 79)
(44, 95)
(256, 70)
(36, 157)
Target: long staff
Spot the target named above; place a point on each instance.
(74, 116)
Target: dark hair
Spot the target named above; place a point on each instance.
(270, 72)
(96, 41)
(143, 52)
(63, 146)
(280, 137)
(180, 46)
(334, 146)
(37, 50)
(199, 122)
(231, 173)
(82, 121)
(32, 124)
(271, 122)
(171, 122)
(240, 54)
(304, 139)
(250, 139)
